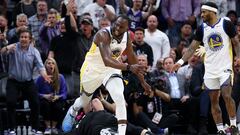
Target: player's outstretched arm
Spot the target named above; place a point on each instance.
(191, 50)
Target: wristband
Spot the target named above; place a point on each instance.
(181, 62)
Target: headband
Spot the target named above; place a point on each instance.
(209, 8)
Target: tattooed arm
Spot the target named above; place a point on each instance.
(191, 50)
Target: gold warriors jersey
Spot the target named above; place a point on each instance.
(94, 73)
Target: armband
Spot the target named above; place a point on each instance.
(181, 62)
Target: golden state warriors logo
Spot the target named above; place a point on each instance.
(116, 52)
(215, 42)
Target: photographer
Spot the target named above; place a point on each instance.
(149, 110)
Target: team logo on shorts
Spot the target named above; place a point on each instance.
(215, 42)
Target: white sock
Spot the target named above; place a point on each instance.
(122, 129)
(220, 126)
(80, 102)
(233, 121)
(73, 112)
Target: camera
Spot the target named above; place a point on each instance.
(158, 82)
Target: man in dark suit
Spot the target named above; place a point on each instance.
(181, 102)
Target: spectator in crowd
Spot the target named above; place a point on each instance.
(52, 96)
(36, 21)
(23, 57)
(232, 15)
(104, 22)
(150, 111)
(83, 38)
(61, 49)
(182, 45)
(22, 23)
(3, 30)
(141, 47)
(217, 74)
(186, 70)
(180, 95)
(173, 54)
(136, 15)
(176, 12)
(4, 59)
(3, 24)
(186, 33)
(178, 92)
(27, 7)
(48, 30)
(98, 10)
(157, 40)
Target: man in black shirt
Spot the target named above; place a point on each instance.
(141, 47)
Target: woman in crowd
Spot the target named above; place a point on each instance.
(52, 96)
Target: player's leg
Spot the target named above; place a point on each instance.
(115, 87)
(69, 119)
(213, 85)
(226, 89)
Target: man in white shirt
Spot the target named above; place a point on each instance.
(157, 40)
(98, 10)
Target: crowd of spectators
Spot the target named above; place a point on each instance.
(59, 33)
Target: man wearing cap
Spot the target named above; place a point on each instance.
(218, 36)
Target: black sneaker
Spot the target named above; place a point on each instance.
(234, 130)
(221, 132)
